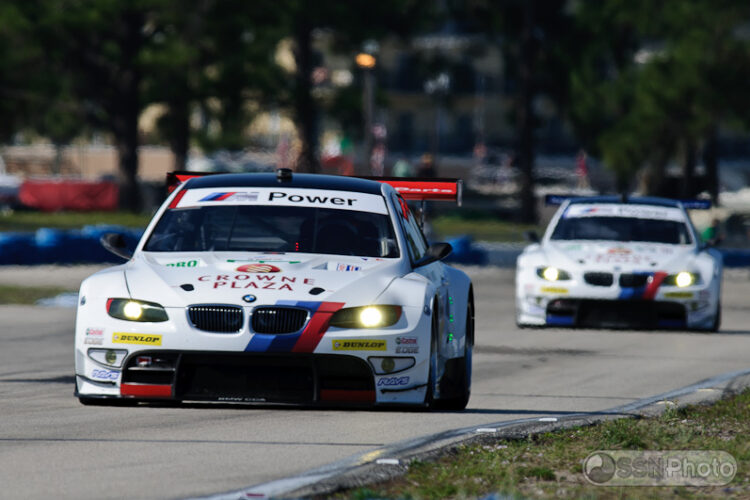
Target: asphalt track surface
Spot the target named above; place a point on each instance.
(53, 447)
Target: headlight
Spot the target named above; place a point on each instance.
(682, 279)
(552, 274)
(136, 310)
(366, 317)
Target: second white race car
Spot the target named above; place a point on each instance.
(619, 262)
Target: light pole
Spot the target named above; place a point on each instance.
(366, 62)
(438, 88)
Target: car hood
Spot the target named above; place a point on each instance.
(178, 280)
(619, 256)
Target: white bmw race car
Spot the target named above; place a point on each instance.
(280, 288)
(615, 262)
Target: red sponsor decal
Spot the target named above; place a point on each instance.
(258, 268)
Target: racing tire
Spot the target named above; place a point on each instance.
(429, 398)
(717, 319)
(461, 399)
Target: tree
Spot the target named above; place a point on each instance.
(531, 34)
(350, 23)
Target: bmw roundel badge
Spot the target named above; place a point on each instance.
(249, 298)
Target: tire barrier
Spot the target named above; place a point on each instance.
(59, 246)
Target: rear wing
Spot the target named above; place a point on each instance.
(410, 188)
(421, 189)
(689, 204)
(174, 179)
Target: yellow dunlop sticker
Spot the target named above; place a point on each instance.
(554, 289)
(358, 345)
(679, 295)
(136, 338)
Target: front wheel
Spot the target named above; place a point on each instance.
(463, 385)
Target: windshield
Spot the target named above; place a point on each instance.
(258, 228)
(622, 229)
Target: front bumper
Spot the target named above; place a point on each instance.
(581, 305)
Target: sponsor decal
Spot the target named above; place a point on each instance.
(358, 345)
(136, 338)
(183, 263)
(258, 281)
(619, 251)
(258, 268)
(617, 210)
(104, 374)
(309, 198)
(406, 340)
(347, 267)
(407, 349)
(679, 295)
(363, 202)
(393, 381)
(266, 261)
(94, 336)
(231, 196)
(553, 289)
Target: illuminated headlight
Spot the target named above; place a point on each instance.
(109, 357)
(390, 364)
(366, 317)
(136, 310)
(682, 279)
(552, 274)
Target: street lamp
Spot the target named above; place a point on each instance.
(366, 61)
(438, 88)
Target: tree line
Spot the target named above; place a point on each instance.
(640, 83)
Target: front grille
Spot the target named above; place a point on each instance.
(598, 279)
(629, 280)
(591, 313)
(278, 320)
(216, 318)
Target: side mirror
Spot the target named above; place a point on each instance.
(531, 236)
(435, 252)
(115, 243)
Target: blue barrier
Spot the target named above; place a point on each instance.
(465, 252)
(58, 246)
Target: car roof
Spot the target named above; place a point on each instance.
(305, 181)
(638, 200)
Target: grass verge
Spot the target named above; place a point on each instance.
(31, 221)
(550, 465)
(481, 227)
(11, 294)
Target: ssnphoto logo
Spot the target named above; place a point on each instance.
(659, 468)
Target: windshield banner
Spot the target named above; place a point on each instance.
(343, 200)
(621, 210)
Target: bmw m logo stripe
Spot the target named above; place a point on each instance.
(305, 341)
(217, 196)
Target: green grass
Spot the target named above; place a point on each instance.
(482, 227)
(11, 294)
(31, 221)
(549, 465)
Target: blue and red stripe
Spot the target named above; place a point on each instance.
(306, 340)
